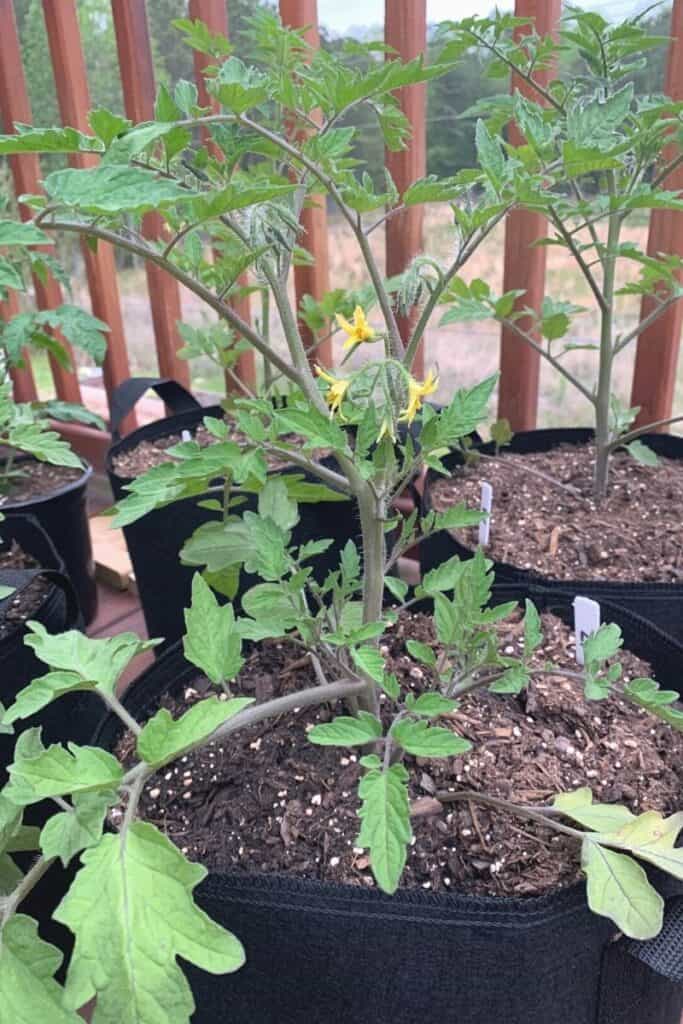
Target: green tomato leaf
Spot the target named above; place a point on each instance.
(641, 453)
(67, 833)
(164, 739)
(97, 662)
(603, 644)
(48, 140)
(370, 661)
(424, 740)
(212, 641)
(113, 188)
(385, 815)
(423, 652)
(429, 705)
(647, 694)
(133, 898)
(16, 232)
(347, 731)
(43, 691)
(274, 503)
(618, 888)
(58, 771)
(27, 969)
(533, 634)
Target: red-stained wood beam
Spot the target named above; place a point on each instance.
(73, 95)
(315, 279)
(23, 384)
(524, 265)
(139, 91)
(654, 375)
(405, 29)
(214, 14)
(25, 168)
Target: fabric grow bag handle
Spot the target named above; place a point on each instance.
(664, 953)
(126, 396)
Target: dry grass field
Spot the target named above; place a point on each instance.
(463, 353)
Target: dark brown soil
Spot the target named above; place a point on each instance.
(634, 535)
(147, 454)
(20, 606)
(269, 801)
(38, 480)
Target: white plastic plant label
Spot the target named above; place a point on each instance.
(486, 505)
(586, 621)
(185, 435)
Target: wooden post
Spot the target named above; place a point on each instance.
(315, 279)
(524, 265)
(61, 21)
(15, 107)
(139, 91)
(654, 375)
(214, 14)
(405, 28)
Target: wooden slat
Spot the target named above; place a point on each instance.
(654, 376)
(524, 266)
(25, 168)
(137, 80)
(68, 62)
(313, 280)
(405, 28)
(214, 14)
(23, 384)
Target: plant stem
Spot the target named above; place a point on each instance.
(115, 705)
(28, 882)
(342, 689)
(222, 308)
(632, 434)
(443, 796)
(604, 389)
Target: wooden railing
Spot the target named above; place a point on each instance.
(406, 31)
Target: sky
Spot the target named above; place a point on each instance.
(339, 15)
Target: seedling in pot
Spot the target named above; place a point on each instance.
(594, 156)
(339, 624)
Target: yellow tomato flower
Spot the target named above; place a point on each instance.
(336, 391)
(358, 330)
(417, 391)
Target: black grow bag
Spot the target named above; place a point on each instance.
(72, 717)
(154, 542)
(660, 603)
(63, 515)
(319, 953)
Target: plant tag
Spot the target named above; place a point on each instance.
(185, 435)
(586, 621)
(486, 504)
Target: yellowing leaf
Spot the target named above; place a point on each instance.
(651, 837)
(132, 913)
(578, 805)
(618, 888)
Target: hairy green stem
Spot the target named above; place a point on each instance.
(9, 904)
(604, 389)
(342, 689)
